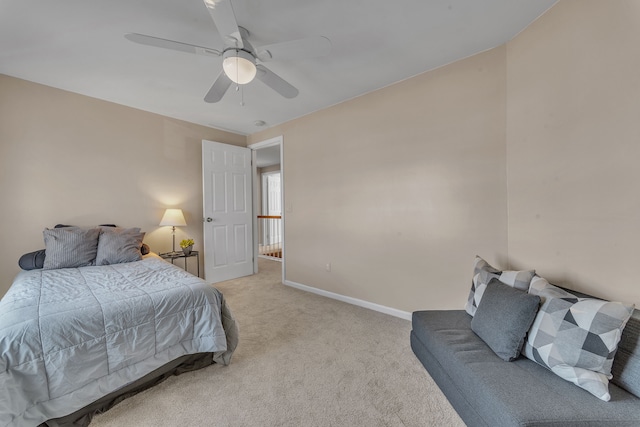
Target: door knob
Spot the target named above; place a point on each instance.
(209, 219)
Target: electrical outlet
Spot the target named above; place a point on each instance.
(327, 266)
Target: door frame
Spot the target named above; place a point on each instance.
(264, 194)
(278, 140)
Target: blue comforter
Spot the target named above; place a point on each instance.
(71, 336)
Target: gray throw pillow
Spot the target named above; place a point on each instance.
(70, 247)
(145, 249)
(32, 260)
(118, 245)
(503, 318)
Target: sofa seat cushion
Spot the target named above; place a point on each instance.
(518, 393)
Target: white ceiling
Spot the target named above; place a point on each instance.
(79, 46)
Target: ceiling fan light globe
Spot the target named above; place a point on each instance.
(239, 66)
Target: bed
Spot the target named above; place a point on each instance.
(73, 341)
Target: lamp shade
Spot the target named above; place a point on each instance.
(173, 217)
(239, 66)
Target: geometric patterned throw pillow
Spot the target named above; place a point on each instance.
(483, 272)
(576, 338)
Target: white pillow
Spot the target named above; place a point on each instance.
(483, 272)
(576, 338)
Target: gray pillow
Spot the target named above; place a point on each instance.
(70, 247)
(503, 318)
(118, 245)
(145, 249)
(32, 260)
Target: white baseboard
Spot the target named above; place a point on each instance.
(350, 300)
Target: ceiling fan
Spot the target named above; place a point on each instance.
(240, 59)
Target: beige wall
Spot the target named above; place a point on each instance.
(66, 158)
(400, 188)
(397, 189)
(573, 139)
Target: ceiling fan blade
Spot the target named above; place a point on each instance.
(170, 44)
(294, 49)
(275, 82)
(222, 13)
(218, 89)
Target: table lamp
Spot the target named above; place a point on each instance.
(174, 218)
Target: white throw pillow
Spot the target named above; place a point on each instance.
(576, 338)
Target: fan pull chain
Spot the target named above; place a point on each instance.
(238, 88)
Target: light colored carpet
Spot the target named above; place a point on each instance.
(302, 360)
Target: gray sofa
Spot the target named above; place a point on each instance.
(487, 391)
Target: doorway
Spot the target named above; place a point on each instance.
(270, 215)
(269, 228)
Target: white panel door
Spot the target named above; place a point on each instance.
(227, 209)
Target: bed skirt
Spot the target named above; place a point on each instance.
(82, 417)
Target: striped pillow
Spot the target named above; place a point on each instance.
(70, 247)
(118, 245)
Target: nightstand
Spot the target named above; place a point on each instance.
(175, 255)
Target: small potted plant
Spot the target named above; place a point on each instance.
(187, 246)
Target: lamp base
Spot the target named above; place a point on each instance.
(173, 231)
